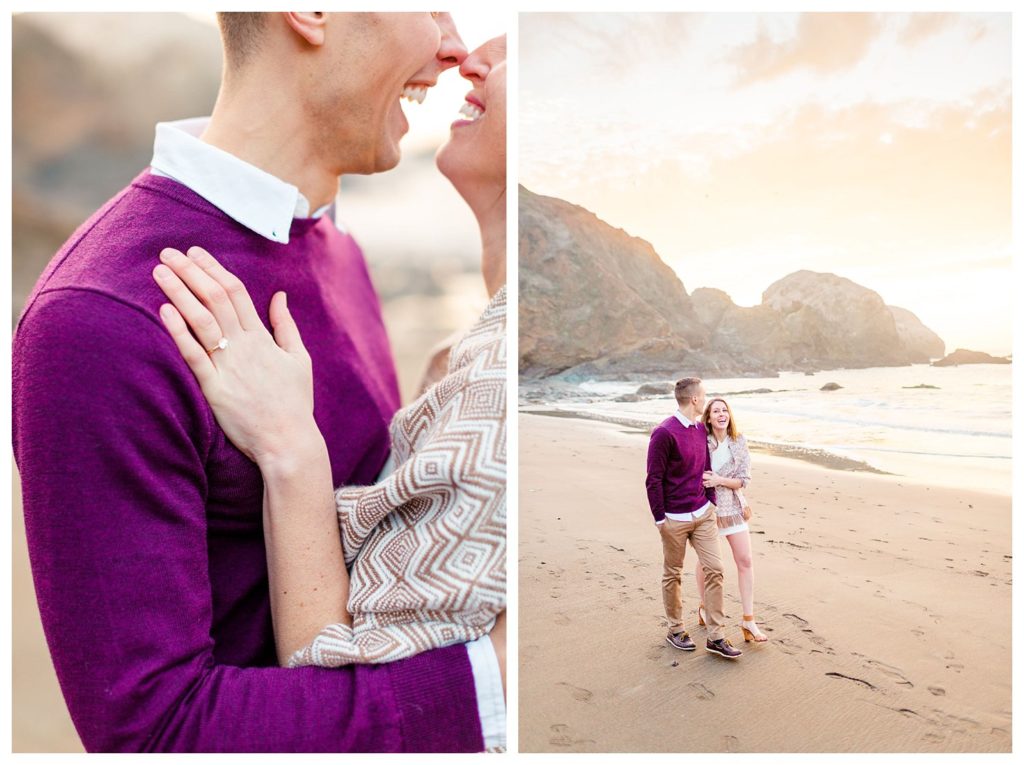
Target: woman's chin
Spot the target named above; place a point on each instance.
(449, 162)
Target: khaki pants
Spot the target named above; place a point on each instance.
(703, 535)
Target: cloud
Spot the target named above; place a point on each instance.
(597, 46)
(821, 177)
(824, 42)
(921, 26)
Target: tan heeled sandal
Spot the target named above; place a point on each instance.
(748, 635)
(700, 616)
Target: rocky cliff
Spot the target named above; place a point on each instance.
(87, 89)
(921, 343)
(595, 301)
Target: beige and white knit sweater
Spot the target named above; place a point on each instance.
(426, 546)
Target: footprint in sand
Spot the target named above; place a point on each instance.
(786, 647)
(841, 676)
(562, 620)
(730, 744)
(889, 671)
(562, 735)
(936, 690)
(580, 694)
(701, 691)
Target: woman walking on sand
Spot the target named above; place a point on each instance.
(730, 473)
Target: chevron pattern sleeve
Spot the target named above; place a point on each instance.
(739, 466)
(426, 545)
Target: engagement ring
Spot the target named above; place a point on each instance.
(221, 345)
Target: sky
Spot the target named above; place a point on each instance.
(745, 147)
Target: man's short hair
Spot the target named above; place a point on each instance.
(686, 388)
(242, 34)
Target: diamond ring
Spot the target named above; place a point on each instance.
(221, 345)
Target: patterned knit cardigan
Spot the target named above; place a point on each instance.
(425, 546)
(729, 503)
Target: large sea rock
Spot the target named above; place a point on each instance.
(964, 356)
(595, 301)
(921, 343)
(756, 339)
(832, 321)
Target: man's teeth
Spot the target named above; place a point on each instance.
(471, 111)
(415, 93)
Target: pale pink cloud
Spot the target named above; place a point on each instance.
(824, 42)
(921, 26)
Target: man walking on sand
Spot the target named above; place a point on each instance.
(676, 460)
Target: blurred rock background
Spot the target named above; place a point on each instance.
(87, 92)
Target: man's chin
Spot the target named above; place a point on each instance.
(387, 160)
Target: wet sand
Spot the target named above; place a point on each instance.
(887, 605)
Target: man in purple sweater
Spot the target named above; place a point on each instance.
(683, 509)
(144, 523)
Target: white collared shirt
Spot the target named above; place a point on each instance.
(266, 205)
(684, 419)
(258, 200)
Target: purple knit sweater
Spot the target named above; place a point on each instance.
(145, 524)
(677, 457)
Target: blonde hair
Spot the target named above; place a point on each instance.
(731, 430)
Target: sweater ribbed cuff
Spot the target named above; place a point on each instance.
(436, 699)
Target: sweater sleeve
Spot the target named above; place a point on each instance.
(739, 465)
(454, 487)
(111, 435)
(657, 464)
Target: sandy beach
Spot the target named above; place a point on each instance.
(887, 605)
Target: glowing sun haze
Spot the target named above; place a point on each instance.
(748, 146)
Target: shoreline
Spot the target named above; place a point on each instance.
(823, 457)
(887, 604)
(819, 457)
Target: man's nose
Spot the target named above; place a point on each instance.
(452, 51)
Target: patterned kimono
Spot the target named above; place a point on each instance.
(729, 503)
(426, 545)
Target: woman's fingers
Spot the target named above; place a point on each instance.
(204, 287)
(237, 292)
(195, 355)
(286, 332)
(203, 323)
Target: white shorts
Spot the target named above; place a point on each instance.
(733, 529)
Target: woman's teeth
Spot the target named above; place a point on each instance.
(415, 93)
(471, 111)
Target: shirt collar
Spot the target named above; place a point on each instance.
(683, 419)
(258, 200)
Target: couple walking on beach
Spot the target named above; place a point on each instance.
(696, 471)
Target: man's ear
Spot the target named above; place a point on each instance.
(309, 26)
